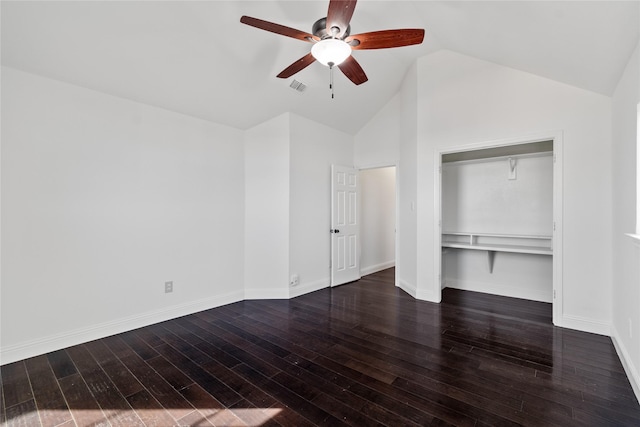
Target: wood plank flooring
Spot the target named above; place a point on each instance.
(361, 354)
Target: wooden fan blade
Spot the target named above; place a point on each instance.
(278, 29)
(339, 15)
(353, 71)
(299, 65)
(386, 39)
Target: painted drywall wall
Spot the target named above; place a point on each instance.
(463, 100)
(376, 144)
(288, 205)
(314, 148)
(626, 251)
(377, 219)
(266, 216)
(407, 231)
(514, 275)
(103, 200)
(478, 197)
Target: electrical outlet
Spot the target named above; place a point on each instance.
(295, 280)
(168, 287)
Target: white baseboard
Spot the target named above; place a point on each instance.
(407, 287)
(429, 296)
(306, 288)
(419, 294)
(507, 291)
(627, 362)
(378, 267)
(278, 293)
(24, 350)
(585, 325)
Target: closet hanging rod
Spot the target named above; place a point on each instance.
(499, 158)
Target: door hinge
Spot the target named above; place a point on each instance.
(554, 226)
(554, 294)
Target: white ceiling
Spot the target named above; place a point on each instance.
(196, 57)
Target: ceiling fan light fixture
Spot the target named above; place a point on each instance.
(331, 51)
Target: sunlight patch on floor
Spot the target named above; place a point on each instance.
(251, 417)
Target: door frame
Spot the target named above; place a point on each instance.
(557, 138)
(397, 201)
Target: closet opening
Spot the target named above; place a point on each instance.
(499, 219)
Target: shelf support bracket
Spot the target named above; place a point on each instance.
(513, 162)
(490, 257)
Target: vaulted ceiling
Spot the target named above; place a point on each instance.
(196, 58)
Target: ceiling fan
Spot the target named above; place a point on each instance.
(332, 42)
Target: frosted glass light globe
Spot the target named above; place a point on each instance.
(332, 51)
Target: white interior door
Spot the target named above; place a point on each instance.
(345, 239)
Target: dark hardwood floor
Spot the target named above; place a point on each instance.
(360, 354)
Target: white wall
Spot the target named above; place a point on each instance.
(103, 200)
(314, 148)
(514, 275)
(288, 204)
(407, 231)
(266, 216)
(377, 143)
(377, 219)
(478, 197)
(626, 253)
(391, 138)
(463, 100)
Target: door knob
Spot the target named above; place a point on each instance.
(335, 230)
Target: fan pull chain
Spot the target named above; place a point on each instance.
(331, 78)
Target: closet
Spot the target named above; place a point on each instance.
(497, 220)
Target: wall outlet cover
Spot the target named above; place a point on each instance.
(295, 280)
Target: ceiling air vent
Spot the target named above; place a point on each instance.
(299, 86)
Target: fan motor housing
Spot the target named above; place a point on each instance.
(319, 29)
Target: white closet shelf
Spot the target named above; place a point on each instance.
(509, 236)
(492, 243)
(518, 243)
(519, 249)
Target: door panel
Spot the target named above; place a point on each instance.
(345, 251)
